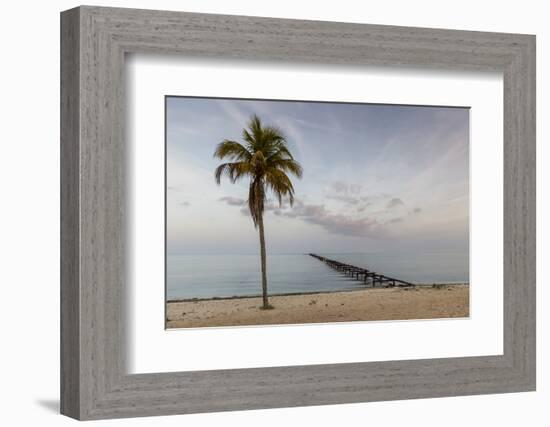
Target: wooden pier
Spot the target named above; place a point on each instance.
(362, 274)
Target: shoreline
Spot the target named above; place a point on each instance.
(287, 294)
(424, 301)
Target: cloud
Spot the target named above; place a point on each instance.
(301, 209)
(233, 110)
(348, 226)
(334, 223)
(273, 205)
(349, 223)
(363, 207)
(394, 203)
(269, 206)
(341, 187)
(350, 200)
(346, 193)
(375, 197)
(232, 201)
(318, 214)
(352, 195)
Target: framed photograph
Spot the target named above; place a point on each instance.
(262, 213)
(393, 199)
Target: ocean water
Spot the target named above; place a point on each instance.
(207, 276)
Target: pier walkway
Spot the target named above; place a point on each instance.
(362, 274)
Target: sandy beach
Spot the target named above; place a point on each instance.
(421, 302)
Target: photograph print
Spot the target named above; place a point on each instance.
(296, 212)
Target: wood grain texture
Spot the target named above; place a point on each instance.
(94, 271)
(70, 220)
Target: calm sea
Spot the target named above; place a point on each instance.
(207, 276)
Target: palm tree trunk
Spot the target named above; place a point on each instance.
(263, 260)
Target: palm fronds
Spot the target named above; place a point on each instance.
(265, 159)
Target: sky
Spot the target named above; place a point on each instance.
(377, 178)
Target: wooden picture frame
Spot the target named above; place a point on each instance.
(94, 382)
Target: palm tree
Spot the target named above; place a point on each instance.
(265, 159)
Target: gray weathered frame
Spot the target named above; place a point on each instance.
(94, 41)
